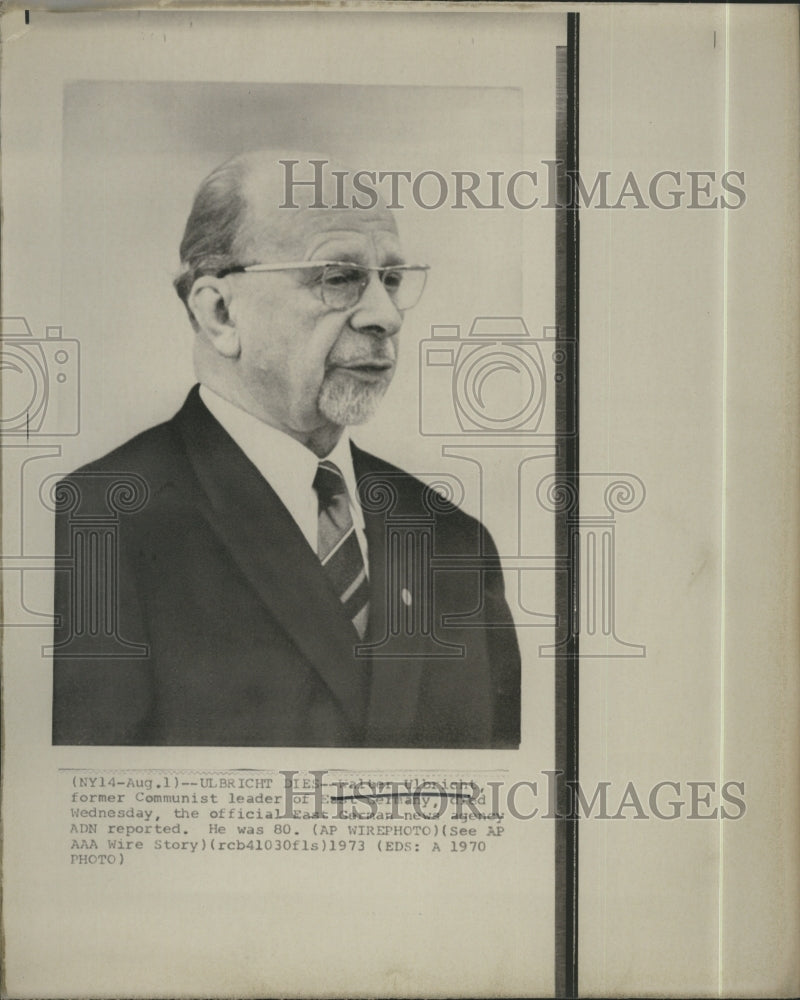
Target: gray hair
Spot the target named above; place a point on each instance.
(211, 237)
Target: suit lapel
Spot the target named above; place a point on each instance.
(396, 680)
(269, 548)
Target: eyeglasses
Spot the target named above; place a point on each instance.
(342, 284)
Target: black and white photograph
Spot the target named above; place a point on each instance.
(399, 487)
(268, 582)
(246, 573)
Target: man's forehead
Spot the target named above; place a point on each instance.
(300, 230)
(289, 230)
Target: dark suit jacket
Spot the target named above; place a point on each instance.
(193, 612)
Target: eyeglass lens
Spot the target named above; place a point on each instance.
(342, 286)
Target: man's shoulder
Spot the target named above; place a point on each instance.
(141, 453)
(128, 476)
(386, 488)
(152, 452)
(381, 482)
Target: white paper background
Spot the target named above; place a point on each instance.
(689, 361)
(97, 256)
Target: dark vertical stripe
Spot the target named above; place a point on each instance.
(567, 465)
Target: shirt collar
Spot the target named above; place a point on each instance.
(287, 465)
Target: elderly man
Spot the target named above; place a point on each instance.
(267, 582)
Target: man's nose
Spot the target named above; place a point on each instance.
(376, 312)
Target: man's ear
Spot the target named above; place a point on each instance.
(209, 300)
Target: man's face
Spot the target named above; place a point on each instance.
(305, 365)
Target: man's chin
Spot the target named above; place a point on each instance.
(347, 399)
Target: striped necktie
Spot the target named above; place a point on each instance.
(337, 545)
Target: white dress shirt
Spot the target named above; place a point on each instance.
(288, 466)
